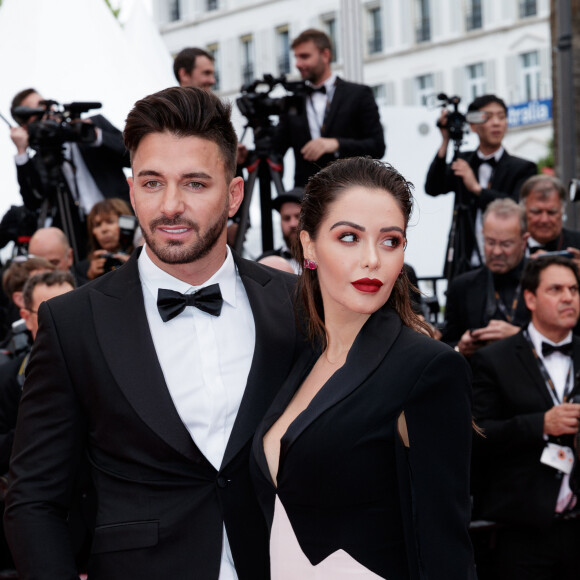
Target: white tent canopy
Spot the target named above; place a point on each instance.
(74, 50)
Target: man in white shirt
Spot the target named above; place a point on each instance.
(524, 388)
(159, 372)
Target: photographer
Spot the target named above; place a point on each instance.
(92, 171)
(108, 250)
(341, 119)
(477, 178)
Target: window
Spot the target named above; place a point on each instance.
(423, 90)
(247, 59)
(528, 8)
(473, 19)
(380, 94)
(476, 81)
(174, 11)
(211, 5)
(330, 25)
(214, 50)
(375, 38)
(530, 76)
(423, 20)
(283, 50)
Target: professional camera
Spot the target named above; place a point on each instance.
(257, 105)
(57, 124)
(127, 226)
(457, 122)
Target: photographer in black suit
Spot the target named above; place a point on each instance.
(341, 119)
(523, 388)
(91, 171)
(478, 177)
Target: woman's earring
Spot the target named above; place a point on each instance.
(309, 264)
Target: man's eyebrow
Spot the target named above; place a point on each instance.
(191, 175)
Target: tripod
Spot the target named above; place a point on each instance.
(267, 169)
(462, 230)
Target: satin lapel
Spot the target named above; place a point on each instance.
(368, 350)
(526, 356)
(297, 375)
(125, 339)
(271, 304)
(335, 105)
(576, 361)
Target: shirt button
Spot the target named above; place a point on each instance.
(223, 482)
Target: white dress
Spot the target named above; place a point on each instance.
(288, 561)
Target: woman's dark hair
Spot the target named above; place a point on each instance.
(110, 206)
(323, 189)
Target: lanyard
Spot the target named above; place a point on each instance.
(509, 316)
(546, 375)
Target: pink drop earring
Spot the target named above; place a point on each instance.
(309, 264)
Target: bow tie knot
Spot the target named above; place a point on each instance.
(311, 90)
(171, 303)
(548, 349)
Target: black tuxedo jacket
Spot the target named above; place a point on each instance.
(510, 399)
(566, 239)
(94, 386)
(352, 118)
(468, 306)
(344, 477)
(507, 179)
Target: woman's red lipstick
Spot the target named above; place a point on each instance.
(368, 285)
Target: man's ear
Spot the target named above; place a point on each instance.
(236, 195)
(17, 299)
(26, 315)
(530, 300)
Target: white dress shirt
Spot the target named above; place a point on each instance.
(559, 368)
(205, 360)
(316, 106)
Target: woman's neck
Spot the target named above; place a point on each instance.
(341, 332)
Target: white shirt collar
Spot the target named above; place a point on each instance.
(497, 155)
(537, 338)
(153, 277)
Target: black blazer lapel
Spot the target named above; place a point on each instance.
(335, 105)
(272, 307)
(368, 350)
(125, 339)
(530, 366)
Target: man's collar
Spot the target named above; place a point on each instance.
(537, 338)
(153, 277)
(495, 155)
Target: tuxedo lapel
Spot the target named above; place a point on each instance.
(368, 350)
(271, 304)
(576, 361)
(125, 339)
(335, 105)
(530, 367)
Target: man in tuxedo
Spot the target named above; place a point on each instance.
(477, 178)
(158, 372)
(91, 171)
(486, 304)
(544, 198)
(340, 119)
(523, 393)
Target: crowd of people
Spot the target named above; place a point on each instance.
(186, 412)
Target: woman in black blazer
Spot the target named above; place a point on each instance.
(361, 464)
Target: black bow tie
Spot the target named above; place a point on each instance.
(548, 349)
(171, 303)
(491, 161)
(321, 89)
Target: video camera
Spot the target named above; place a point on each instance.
(57, 124)
(457, 123)
(257, 105)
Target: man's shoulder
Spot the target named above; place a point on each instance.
(469, 279)
(500, 350)
(263, 274)
(351, 87)
(571, 238)
(518, 162)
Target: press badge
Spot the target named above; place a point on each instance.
(558, 457)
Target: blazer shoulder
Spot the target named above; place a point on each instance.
(500, 349)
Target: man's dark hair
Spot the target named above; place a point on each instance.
(184, 112)
(185, 59)
(545, 185)
(319, 38)
(535, 266)
(480, 102)
(17, 101)
(56, 278)
(15, 275)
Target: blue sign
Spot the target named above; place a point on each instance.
(530, 113)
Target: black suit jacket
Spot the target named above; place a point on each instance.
(344, 477)
(510, 399)
(566, 239)
(353, 118)
(507, 179)
(468, 305)
(94, 385)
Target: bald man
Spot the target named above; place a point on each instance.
(52, 245)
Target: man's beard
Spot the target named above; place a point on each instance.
(175, 252)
